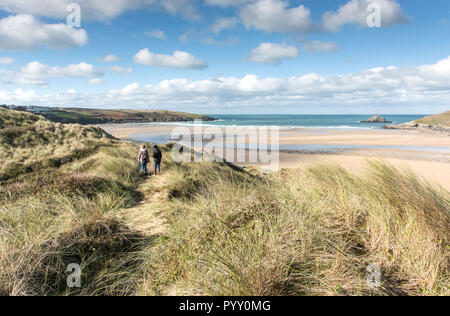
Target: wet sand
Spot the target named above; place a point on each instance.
(427, 154)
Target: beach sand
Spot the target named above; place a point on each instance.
(427, 154)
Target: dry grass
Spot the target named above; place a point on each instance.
(440, 119)
(226, 231)
(72, 219)
(303, 233)
(29, 142)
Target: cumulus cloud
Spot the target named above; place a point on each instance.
(223, 24)
(270, 53)
(25, 32)
(178, 59)
(275, 15)
(129, 89)
(439, 70)
(36, 73)
(384, 89)
(280, 16)
(110, 58)
(355, 12)
(18, 95)
(157, 34)
(318, 46)
(98, 9)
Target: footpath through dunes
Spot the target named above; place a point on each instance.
(299, 232)
(213, 229)
(71, 214)
(146, 217)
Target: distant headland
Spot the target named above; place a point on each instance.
(437, 123)
(95, 116)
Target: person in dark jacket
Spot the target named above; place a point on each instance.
(144, 159)
(157, 158)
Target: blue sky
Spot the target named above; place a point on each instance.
(233, 56)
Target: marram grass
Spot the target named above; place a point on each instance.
(228, 231)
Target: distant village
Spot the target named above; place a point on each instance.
(27, 108)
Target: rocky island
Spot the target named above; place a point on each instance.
(376, 119)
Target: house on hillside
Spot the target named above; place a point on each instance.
(37, 109)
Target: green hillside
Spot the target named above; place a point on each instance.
(92, 116)
(29, 142)
(440, 119)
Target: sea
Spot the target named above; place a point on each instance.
(308, 121)
(311, 123)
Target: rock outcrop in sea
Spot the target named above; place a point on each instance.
(376, 119)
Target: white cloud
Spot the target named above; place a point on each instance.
(157, 34)
(7, 60)
(276, 16)
(384, 89)
(439, 70)
(18, 95)
(25, 32)
(281, 16)
(127, 90)
(76, 70)
(122, 70)
(318, 46)
(355, 12)
(270, 53)
(96, 81)
(110, 58)
(223, 24)
(36, 73)
(179, 59)
(99, 9)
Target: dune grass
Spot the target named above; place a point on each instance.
(71, 221)
(29, 142)
(310, 232)
(440, 119)
(228, 231)
(303, 232)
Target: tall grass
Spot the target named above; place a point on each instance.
(42, 231)
(310, 232)
(228, 231)
(29, 143)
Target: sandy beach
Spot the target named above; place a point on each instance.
(427, 154)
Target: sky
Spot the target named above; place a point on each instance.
(228, 56)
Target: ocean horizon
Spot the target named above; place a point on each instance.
(312, 124)
(288, 121)
(308, 121)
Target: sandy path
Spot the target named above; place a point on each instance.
(146, 216)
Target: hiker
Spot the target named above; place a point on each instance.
(157, 157)
(144, 159)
